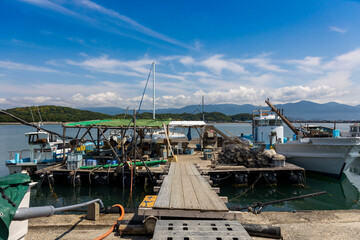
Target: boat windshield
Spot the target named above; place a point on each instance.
(265, 122)
(37, 138)
(354, 129)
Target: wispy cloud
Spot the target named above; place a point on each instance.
(131, 24)
(197, 74)
(337, 29)
(308, 64)
(121, 21)
(58, 8)
(263, 63)
(25, 67)
(114, 66)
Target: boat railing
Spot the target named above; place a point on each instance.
(12, 153)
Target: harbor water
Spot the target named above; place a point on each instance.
(341, 194)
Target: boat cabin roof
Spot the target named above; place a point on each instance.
(36, 133)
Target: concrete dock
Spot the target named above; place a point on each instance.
(335, 224)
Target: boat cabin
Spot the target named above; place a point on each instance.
(267, 128)
(355, 130)
(35, 138)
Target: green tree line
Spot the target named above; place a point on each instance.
(52, 113)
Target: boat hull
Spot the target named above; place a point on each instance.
(330, 156)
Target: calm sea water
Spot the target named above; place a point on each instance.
(341, 194)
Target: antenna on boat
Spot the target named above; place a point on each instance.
(153, 90)
(39, 116)
(32, 115)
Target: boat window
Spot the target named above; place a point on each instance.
(256, 122)
(52, 138)
(33, 138)
(272, 123)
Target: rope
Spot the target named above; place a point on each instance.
(251, 187)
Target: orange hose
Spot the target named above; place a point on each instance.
(112, 228)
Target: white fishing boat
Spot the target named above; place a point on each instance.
(45, 149)
(327, 155)
(315, 149)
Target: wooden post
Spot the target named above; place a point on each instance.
(82, 137)
(168, 139)
(64, 132)
(112, 149)
(135, 138)
(98, 140)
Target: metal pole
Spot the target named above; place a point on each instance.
(203, 108)
(153, 90)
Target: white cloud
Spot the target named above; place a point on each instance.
(121, 21)
(24, 67)
(263, 63)
(308, 64)
(56, 7)
(182, 78)
(335, 79)
(130, 22)
(251, 95)
(102, 98)
(197, 74)
(347, 61)
(114, 66)
(263, 79)
(217, 64)
(187, 60)
(337, 29)
(41, 99)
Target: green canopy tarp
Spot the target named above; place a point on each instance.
(13, 187)
(120, 123)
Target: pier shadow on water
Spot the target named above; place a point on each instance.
(64, 195)
(341, 194)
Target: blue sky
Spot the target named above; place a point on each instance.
(84, 53)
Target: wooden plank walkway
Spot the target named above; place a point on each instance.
(185, 189)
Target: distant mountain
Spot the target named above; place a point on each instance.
(228, 109)
(303, 110)
(314, 111)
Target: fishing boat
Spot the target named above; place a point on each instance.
(45, 149)
(314, 148)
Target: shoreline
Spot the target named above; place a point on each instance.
(44, 123)
(314, 224)
(209, 123)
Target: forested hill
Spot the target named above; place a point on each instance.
(52, 114)
(65, 114)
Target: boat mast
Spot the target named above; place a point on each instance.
(203, 108)
(154, 90)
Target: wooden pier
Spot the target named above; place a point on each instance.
(186, 194)
(184, 188)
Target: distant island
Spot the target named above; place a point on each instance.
(57, 114)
